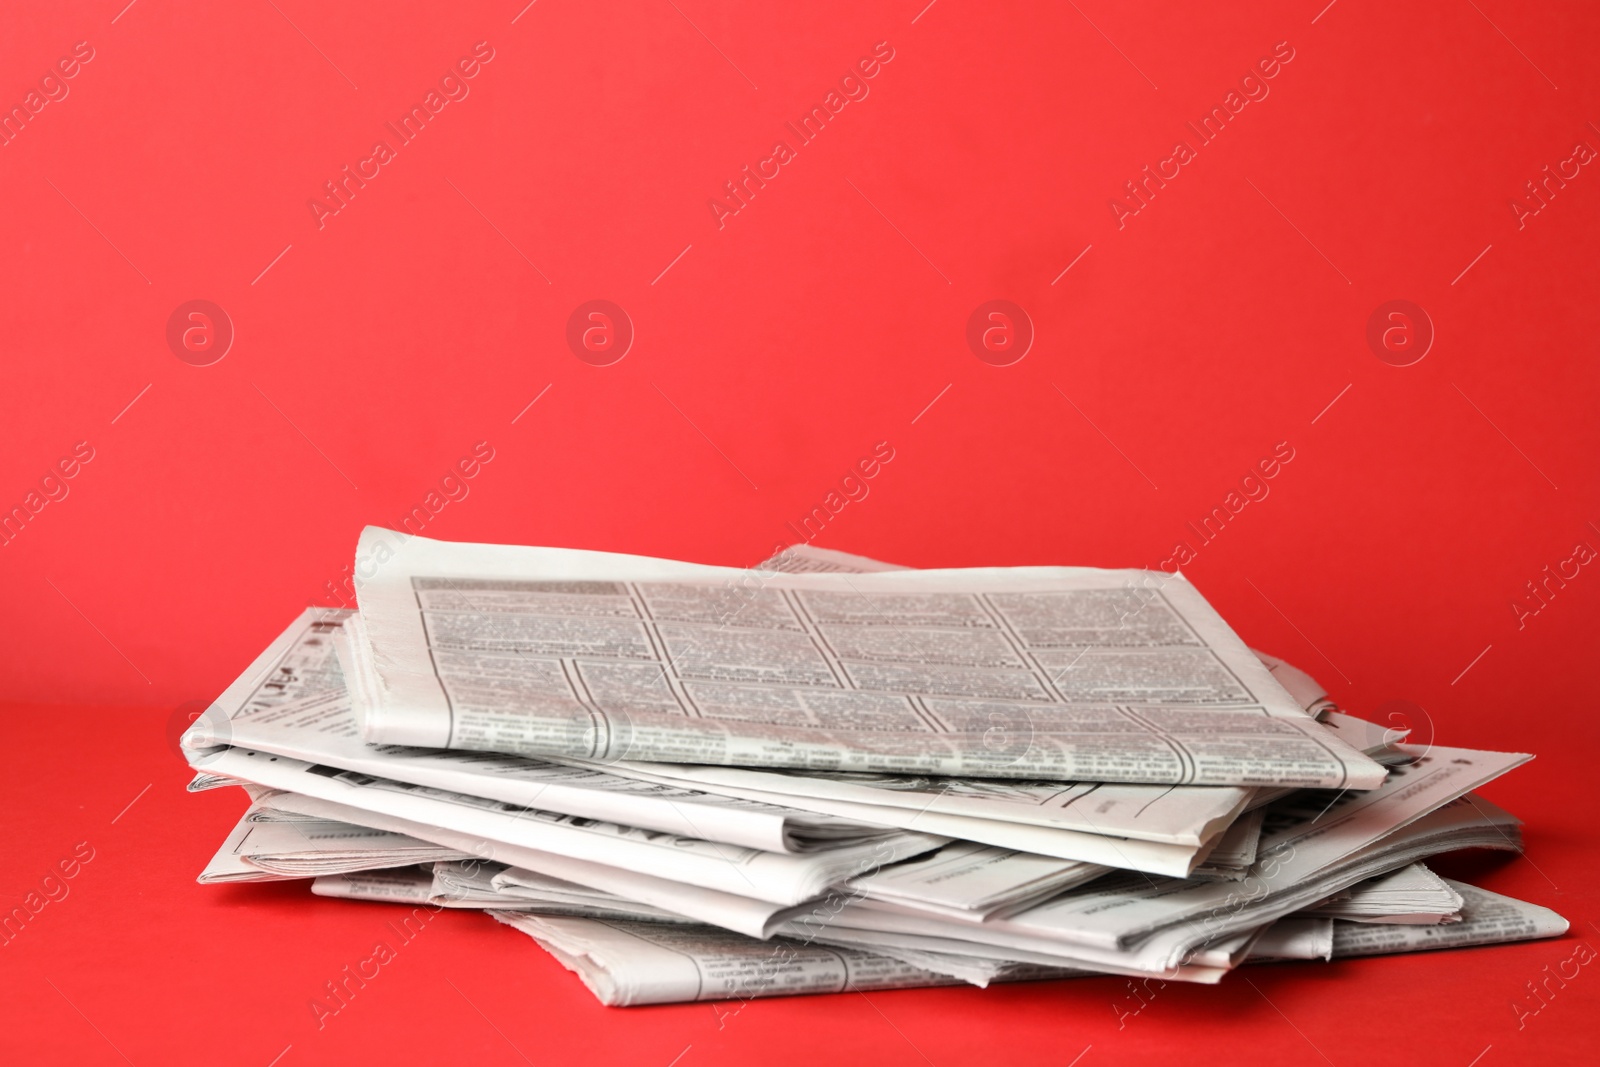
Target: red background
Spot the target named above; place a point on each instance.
(772, 353)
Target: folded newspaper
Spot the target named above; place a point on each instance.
(1058, 673)
(829, 773)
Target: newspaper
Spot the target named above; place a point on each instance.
(775, 877)
(1133, 921)
(973, 882)
(400, 885)
(469, 884)
(1053, 673)
(1235, 852)
(831, 866)
(1225, 953)
(1298, 937)
(532, 891)
(969, 969)
(202, 782)
(730, 911)
(961, 881)
(322, 729)
(230, 865)
(1413, 895)
(1088, 847)
(286, 703)
(625, 958)
(292, 701)
(1197, 949)
(622, 964)
(265, 845)
(1486, 919)
(1179, 815)
(631, 963)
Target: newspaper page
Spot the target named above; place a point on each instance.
(1012, 813)
(1041, 673)
(630, 963)
(1489, 919)
(969, 969)
(896, 942)
(1137, 855)
(809, 559)
(1303, 835)
(203, 782)
(1413, 895)
(471, 884)
(1227, 952)
(1156, 928)
(746, 915)
(973, 970)
(624, 964)
(292, 701)
(1297, 937)
(302, 847)
(1179, 815)
(531, 891)
(781, 878)
(230, 865)
(973, 882)
(1307, 854)
(1486, 919)
(1235, 851)
(322, 729)
(463, 885)
(402, 885)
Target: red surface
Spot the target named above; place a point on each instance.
(820, 319)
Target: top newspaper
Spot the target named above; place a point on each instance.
(1058, 673)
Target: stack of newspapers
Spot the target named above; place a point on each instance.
(689, 782)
